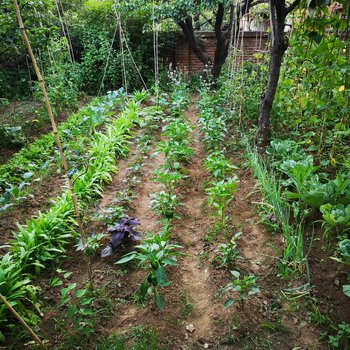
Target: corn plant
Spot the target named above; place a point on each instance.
(154, 255)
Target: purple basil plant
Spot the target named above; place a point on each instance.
(123, 230)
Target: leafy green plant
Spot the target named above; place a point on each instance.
(219, 166)
(227, 253)
(175, 151)
(19, 292)
(11, 136)
(335, 218)
(80, 310)
(245, 287)
(342, 339)
(169, 179)
(93, 244)
(165, 204)
(220, 194)
(153, 255)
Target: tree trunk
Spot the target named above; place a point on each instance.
(278, 47)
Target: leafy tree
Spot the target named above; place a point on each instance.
(279, 10)
(188, 14)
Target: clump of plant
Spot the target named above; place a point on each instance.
(342, 339)
(80, 309)
(165, 204)
(220, 194)
(153, 255)
(93, 244)
(19, 292)
(228, 253)
(124, 230)
(11, 136)
(244, 287)
(335, 218)
(168, 178)
(219, 166)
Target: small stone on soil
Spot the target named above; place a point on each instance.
(190, 327)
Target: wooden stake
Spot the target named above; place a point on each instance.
(57, 138)
(24, 323)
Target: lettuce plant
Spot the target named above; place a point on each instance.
(335, 218)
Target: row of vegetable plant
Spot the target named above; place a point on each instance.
(41, 242)
(156, 251)
(35, 162)
(214, 122)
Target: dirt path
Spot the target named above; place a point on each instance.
(190, 231)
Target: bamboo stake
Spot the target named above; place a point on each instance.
(24, 323)
(57, 138)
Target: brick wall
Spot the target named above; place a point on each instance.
(184, 57)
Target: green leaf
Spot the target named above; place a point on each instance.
(228, 303)
(346, 290)
(56, 281)
(160, 302)
(126, 258)
(80, 293)
(161, 277)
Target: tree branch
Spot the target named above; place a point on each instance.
(187, 28)
(292, 6)
(218, 21)
(257, 2)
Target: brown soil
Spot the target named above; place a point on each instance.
(21, 113)
(194, 317)
(42, 194)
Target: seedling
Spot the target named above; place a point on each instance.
(93, 244)
(245, 287)
(164, 204)
(228, 252)
(219, 166)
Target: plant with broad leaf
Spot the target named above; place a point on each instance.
(80, 309)
(153, 255)
(227, 253)
(169, 179)
(164, 204)
(245, 287)
(335, 218)
(124, 230)
(219, 166)
(220, 194)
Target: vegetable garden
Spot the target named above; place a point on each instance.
(175, 209)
